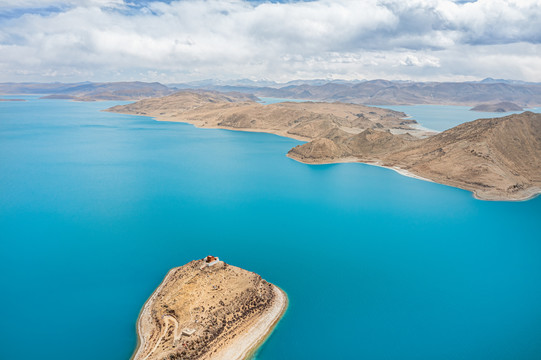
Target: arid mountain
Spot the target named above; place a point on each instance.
(89, 91)
(374, 92)
(504, 106)
(497, 159)
(383, 92)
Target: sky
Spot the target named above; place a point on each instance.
(179, 41)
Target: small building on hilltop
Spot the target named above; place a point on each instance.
(209, 261)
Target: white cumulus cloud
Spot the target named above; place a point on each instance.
(186, 40)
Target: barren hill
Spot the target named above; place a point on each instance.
(208, 309)
(497, 159)
(304, 121)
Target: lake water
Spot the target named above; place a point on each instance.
(441, 117)
(95, 208)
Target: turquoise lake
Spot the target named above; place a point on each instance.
(440, 118)
(96, 207)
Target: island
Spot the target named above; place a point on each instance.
(496, 159)
(12, 100)
(208, 309)
(504, 106)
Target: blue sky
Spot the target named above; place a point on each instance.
(175, 41)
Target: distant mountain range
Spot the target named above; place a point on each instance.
(384, 92)
(373, 92)
(88, 91)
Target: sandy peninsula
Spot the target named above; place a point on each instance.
(208, 309)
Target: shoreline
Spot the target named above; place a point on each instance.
(143, 309)
(218, 127)
(263, 339)
(352, 159)
(531, 194)
(263, 330)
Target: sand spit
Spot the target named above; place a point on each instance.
(210, 310)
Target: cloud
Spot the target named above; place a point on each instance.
(18, 4)
(185, 40)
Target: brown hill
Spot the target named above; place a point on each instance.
(304, 121)
(497, 159)
(208, 309)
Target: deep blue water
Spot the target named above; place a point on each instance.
(96, 207)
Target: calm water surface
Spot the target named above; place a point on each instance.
(96, 207)
(443, 117)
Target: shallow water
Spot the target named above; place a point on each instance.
(95, 208)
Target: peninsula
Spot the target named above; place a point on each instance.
(496, 159)
(302, 121)
(209, 310)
